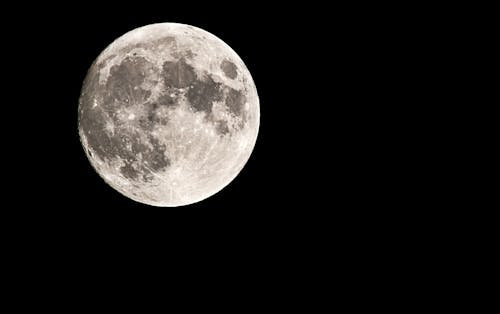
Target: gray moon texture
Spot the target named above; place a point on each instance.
(168, 114)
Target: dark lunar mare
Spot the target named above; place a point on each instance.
(229, 69)
(203, 93)
(235, 100)
(121, 89)
(178, 74)
(123, 84)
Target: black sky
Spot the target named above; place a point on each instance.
(59, 46)
(306, 63)
(338, 195)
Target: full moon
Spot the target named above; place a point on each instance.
(168, 114)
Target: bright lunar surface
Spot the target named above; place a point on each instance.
(168, 114)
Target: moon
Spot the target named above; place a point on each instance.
(168, 114)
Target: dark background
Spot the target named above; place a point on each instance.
(316, 154)
(60, 213)
(338, 198)
(329, 192)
